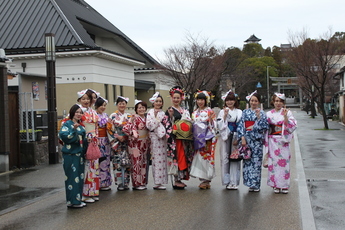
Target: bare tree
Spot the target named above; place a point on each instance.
(197, 64)
(314, 61)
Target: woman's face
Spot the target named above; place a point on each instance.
(201, 103)
(121, 106)
(85, 101)
(278, 103)
(158, 104)
(94, 98)
(176, 99)
(254, 102)
(78, 114)
(102, 108)
(141, 110)
(230, 104)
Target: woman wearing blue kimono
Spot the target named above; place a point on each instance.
(251, 131)
(72, 134)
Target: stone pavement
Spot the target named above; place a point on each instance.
(30, 195)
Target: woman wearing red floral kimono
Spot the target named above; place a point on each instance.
(92, 182)
(138, 145)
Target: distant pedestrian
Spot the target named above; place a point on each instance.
(157, 122)
(251, 130)
(282, 124)
(227, 121)
(307, 106)
(72, 134)
(103, 143)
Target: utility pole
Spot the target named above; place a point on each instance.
(268, 87)
(4, 121)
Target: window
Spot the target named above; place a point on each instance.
(121, 90)
(106, 91)
(114, 93)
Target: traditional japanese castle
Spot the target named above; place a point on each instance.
(252, 39)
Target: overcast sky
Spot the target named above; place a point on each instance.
(155, 25)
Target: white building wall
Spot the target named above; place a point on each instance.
(162, 81)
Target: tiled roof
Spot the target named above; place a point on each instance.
(253, 38)
(23, 25)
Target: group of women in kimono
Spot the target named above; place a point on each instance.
(173, 142)
(266, 134)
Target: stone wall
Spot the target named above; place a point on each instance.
(35, 153)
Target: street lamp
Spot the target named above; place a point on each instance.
(268, 87)
(51, 91)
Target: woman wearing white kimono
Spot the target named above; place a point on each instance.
(227, 121)
(204, 140)
(156, 122)
(277, 144)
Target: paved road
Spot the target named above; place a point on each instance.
(35, 199)
(323, 153)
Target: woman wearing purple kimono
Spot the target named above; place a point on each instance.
(282, 124)
(251, 131)
(103, 143)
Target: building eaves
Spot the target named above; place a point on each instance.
(339, 74)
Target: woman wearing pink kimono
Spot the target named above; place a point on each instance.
(277, 144)
(92, 180)
(156, 122)
(138, 145)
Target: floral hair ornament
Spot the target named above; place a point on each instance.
(81, 93)
(177, 88)
(226, 94)
(124, 98)
(97, 93)
(208, 95)
(281, 96)
(154, 97)
(137, 101)
(250, 96)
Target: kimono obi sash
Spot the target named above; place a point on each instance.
(232, 126)
(276, 129)
(143, 134)
(102, 132)
(249, 125)
(183, 129)
(90, 128)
